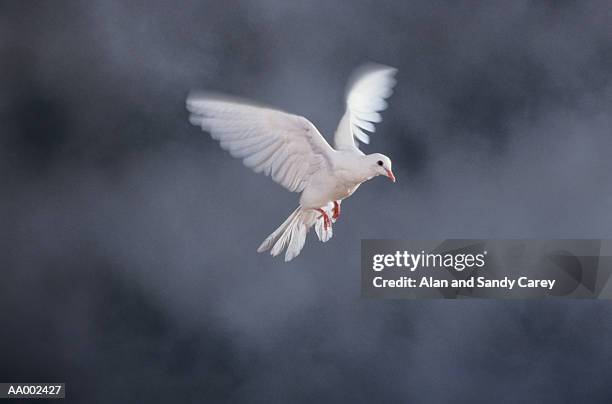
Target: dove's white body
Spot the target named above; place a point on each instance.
(290, 149)
(335, 184)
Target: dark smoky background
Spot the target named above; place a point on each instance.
(128, 237)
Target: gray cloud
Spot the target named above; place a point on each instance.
(129, 237)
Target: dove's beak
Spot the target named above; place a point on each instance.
(390, 175)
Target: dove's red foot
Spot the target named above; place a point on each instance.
(336, 210)
(326, 220)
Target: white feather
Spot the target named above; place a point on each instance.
(365, 99)
(263, 137)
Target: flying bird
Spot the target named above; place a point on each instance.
(291, 150)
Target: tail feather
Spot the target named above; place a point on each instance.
(286, 236)
(298, 239)
(269, 241)
(291, 234)
(323, 233)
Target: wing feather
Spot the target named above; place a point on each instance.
(284, 146)
(368, 89)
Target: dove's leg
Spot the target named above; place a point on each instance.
(326, 220)
(336, 210)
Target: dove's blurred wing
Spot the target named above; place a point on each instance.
(368, 89)
(284, 146)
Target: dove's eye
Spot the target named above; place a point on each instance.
(380, 163)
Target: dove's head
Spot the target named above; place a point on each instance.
(381, 165)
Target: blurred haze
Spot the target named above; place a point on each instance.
(128, 256)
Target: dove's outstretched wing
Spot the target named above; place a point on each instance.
(284, 146)
(368, 89)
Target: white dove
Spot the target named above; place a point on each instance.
(290, 149)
